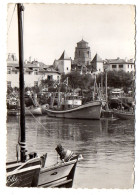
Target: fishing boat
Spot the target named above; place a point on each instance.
(90, 110)
(72, 106)
(126, 115)
(30, 170)
(29, 111)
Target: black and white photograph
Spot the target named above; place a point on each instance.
(70, 95)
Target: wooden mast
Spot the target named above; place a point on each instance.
(22, 141)
(106, 89)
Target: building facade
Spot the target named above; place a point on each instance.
(82, 53)
(34, 72)
(119, 64)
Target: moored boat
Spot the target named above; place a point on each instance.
(90, 110)
(124, 115)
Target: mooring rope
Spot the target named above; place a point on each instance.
(39, 121)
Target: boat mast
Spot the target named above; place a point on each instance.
(94, 88)
(22, 141)
(106, 86)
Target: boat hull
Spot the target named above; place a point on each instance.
(23, 174)
(124, 115)
(60, 175)
(91, 110)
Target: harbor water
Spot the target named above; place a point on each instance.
(107, 146)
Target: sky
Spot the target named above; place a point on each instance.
(49, 29)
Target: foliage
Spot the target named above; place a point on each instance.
(47, 83)
(77, 80)
(117, 79)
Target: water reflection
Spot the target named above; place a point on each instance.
(106, 145)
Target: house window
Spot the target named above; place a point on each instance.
(79, 53)
(15, 72)
(57, 77)
(67, 68)
(35, 83)
(8, 83)
(128, 65)
(50, 77)
(131, 66)
(121, 66)
(114, 66)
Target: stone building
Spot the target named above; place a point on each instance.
(82, 53)
(63, 64)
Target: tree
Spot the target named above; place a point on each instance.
(77, 80)
(117, 79)
(47, 83)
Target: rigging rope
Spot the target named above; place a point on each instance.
(39, 122)
(11, 18)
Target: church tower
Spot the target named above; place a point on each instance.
(82, 53)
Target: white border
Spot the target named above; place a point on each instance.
(3, 27)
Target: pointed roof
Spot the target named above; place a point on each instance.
(64, 56)
(97, 58)
(82, 41)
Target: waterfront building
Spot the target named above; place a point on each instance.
(63, 64)
(34, 72)
(82, 53)
(119, 64)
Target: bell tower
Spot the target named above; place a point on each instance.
(82, 53)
